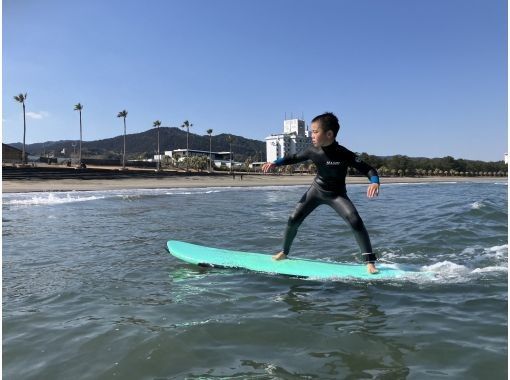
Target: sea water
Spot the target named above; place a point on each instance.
(90, 292)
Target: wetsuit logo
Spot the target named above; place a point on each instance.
(333, 163)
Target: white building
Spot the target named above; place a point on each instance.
(294, 139)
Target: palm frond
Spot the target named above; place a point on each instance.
(21, 98)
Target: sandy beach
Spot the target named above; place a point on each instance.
(38, 185)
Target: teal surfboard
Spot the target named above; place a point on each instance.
(223, 258)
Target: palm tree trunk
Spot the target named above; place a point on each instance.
(210, 154)
(23, 159)
(124, 155)
(187, 149)
(159, 156)
(81, 137)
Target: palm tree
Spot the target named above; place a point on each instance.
(186, 124)
(157, 124)
(21, 99)
(79, 107)
(209, 132)
(247, 164)
(124, 115)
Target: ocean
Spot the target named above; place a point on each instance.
(90, 291)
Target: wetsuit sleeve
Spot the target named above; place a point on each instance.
(364, 168)
(293, 158)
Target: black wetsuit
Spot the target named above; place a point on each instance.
(329, 188)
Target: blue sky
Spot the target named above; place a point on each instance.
(420, 78)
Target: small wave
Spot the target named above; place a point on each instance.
(447, 272)
(491, 269)
(477, 261)
(192, 192)
(406, 183)
(212, 190)
(446, 268)
(498, 249)
(493, 255)
(389, 255)
(195, 323)
(477, 205)
(51, 199)
(452, 272)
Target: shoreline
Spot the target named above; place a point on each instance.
(56, 185)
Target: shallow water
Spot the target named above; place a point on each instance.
(90, 292)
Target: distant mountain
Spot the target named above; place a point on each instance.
(144, 145)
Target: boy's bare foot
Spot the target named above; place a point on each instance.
(280, 256)
(371, 268)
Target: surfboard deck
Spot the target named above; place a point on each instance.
(304, 268)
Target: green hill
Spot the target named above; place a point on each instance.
(144, 145)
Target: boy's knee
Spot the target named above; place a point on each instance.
(294, 220)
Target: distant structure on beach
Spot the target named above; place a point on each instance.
(11, 154)
(218, 159)
(294, 139)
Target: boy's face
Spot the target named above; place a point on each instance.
(319, 137)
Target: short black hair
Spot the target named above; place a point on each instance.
(328, 122)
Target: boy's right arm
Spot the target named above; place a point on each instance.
(287, 160)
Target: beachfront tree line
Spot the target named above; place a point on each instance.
(401, 166)
(404, 166)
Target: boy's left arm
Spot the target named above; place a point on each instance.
(370, 172)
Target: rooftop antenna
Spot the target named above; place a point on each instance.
(285, 115)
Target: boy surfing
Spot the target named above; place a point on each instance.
(332, 161)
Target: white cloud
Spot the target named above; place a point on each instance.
(38, 115)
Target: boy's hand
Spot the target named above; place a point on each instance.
(268, 166)
(373, 190)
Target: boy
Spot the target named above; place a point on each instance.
(328, 187)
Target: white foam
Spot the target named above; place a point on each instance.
(498, 249)
(484, 260)
(192, 192)
(406, 183)
(51, 199)
(491, 269)
(477, 205)
(446, 268)
(398, 255)
(496, 255)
